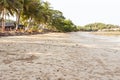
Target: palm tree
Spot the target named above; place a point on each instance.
(30, 11)
(2, 10)
(19, 8)
(6, 5)
(44, 14)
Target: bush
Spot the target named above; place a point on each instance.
(34, 29)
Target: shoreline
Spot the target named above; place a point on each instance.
(5, 34)
(113, 33)
(18, 33)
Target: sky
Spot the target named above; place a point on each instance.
(83, 12)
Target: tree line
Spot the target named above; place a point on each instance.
(34, 15)
(97, 27)
(38, 15)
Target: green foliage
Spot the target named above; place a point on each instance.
(63, 25)
(38, 12)
(68, 26)
(97, 26)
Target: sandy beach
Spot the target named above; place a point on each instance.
(60, 56)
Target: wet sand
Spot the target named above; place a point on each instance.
(111, 33)
(60, 56)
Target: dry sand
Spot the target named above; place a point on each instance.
(60, 56)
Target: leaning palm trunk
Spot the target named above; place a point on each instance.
(29, 23)
(3, 20)
(17, 19)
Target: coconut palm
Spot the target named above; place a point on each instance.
(44, 15)
(31, 9)
(19, 7)
(7, 6)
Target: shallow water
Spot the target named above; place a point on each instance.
(89, 39)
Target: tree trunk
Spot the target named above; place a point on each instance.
(28, 26)
(3, 20)
(17, 19)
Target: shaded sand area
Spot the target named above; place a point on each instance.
(60, 56)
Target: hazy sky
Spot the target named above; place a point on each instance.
(82, 12)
